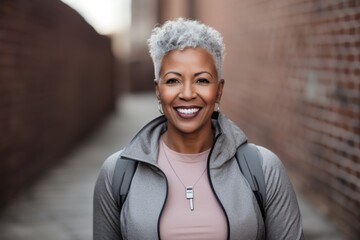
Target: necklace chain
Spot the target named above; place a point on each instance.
(175, 171)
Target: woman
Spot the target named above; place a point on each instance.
(187, 184)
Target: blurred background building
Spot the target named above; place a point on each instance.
(292, 73)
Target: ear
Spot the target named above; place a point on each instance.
(221, 84)
(156, 85)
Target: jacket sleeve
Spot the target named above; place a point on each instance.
(106, 214)
(283, 220)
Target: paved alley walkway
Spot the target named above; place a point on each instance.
(59, 206)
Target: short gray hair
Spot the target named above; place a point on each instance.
(183, 33)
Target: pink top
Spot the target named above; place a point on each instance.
(207, 220)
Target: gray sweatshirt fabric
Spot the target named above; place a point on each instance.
(139, 217)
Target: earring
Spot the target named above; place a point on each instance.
(217, 107)
(160, 108)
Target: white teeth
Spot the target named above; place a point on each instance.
(187, 110)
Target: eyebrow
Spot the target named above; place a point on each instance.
(199, 73)
(196, 74)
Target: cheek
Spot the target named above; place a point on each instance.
(209, 95)
(168, 95)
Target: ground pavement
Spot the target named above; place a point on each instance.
(59, 205)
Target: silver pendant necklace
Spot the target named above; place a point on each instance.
(189, 190)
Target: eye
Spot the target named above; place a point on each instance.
(202, 81)
(172, 81)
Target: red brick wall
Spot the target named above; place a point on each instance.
(56, 83)
(292, 75)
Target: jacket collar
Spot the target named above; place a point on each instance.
(145, 145)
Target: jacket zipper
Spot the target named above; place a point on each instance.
(213, 190)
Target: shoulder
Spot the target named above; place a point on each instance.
(108, 167)
(273, 168)
(110, 162)
(269, 159)
(276, 177)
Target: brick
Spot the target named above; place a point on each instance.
(56, 84)
(292, 73)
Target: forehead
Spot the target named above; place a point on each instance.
(189, 58)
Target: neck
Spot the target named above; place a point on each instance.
(189, 143)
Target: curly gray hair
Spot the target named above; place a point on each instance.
(183, 33)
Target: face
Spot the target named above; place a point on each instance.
(188, 89)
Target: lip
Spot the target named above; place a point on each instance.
(187, 112)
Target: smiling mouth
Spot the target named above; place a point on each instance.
(187, 112)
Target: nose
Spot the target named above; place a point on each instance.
(188, 91)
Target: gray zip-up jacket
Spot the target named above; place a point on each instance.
(140, 215)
